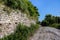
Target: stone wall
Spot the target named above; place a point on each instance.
(10, 18)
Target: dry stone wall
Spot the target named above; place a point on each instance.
(9, 20)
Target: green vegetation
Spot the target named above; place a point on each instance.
(22, 32)
(55, 25)
(52, 21)
(23, 5)
(44, 23)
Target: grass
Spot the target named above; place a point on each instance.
(22, 32)
(23, 5)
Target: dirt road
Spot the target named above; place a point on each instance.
(46, 33)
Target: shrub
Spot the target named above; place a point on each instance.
(23, 5)
(55, 25)
(22, 32)
(44, 23)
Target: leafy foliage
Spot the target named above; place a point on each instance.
(50, 20)
(55, 25)
(22, 32)
(44, 23)
(23, 5)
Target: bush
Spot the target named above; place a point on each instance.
(22, 32)
(55, 25)
(23, 5)
(44, 23)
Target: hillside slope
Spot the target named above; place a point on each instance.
(18, 19)
(9, 21)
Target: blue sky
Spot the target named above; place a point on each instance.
(47, 7)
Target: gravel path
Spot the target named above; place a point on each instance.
(46, 33)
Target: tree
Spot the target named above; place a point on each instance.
(50, 20)
(44, 23)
